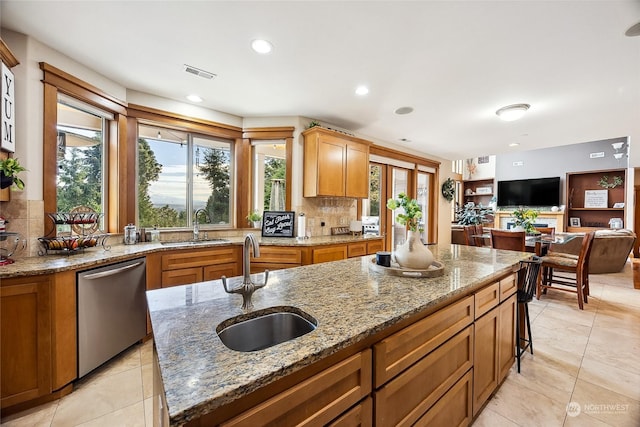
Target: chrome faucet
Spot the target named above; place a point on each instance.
(196, 224)
(248, 287)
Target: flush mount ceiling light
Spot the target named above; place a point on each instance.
(194, 98)
(633, 31)
(514, 144)
(512, 112)
(404, 110)
(261, 46)
(362, 90)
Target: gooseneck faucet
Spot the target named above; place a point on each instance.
(248, 287)
(196, 224)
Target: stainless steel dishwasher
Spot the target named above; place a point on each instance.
(112, 311)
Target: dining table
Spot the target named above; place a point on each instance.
(537, 243)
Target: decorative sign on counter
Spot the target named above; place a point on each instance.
(278, 223)
(596, 199)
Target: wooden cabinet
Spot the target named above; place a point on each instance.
(494, 352)
(328, 253)
(478, 191)
(375, 246)
(335, 164)
(25, 310)
(317, 400)
(275, 258)
(579, 208)
(182, 267)
(454, 408)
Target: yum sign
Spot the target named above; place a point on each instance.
(8, 109)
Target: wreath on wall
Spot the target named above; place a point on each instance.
(448, 189)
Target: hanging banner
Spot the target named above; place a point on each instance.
(8, 110)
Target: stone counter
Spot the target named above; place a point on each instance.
(94, 257)
(350, 301)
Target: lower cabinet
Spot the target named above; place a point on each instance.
(328, 253)
(276, 258)
(318, 400)
(25, 339)
(184, 267)
(454, 408)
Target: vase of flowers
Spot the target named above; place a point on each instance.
(412, 253)
(524, 220)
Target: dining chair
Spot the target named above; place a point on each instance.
(577, 266)
(510, 240)
(470, 231)
(527, 283)
(546, 230)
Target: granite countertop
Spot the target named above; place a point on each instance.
(350, 300)
(94, 257)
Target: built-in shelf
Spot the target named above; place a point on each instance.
(578, 183)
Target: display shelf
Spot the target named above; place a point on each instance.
(73, 232)
(470, 191)
(579, 183)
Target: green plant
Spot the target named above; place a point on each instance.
(604, 182)
(313, 123)
(525, 218)
(472, 214)
(412, 211)
(10, 168)
(254, 216)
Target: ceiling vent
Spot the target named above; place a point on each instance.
(198, 72)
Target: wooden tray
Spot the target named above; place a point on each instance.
(436, 269)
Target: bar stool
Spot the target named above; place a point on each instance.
(527, 282)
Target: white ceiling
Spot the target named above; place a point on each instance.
(454, 62)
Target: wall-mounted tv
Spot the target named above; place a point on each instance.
(529, 192)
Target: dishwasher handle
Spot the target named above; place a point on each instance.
(112, 272)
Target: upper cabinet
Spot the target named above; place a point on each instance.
(335, 164)
(595, 198)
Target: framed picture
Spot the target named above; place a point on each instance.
(484, 190)
(618, 205)
(574, 222)
(596, 198)
(8, 111)
(278, 223)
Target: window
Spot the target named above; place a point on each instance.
(81, 156)
(269, 175)
(180, 173)
(372, 207)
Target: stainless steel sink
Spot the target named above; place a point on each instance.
(195, 242)
(271, 326)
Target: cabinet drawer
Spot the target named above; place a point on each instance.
(487, 298)
(406, 398)
(360, 415)
(357, 249)
(375, 246)
(199, 258)
(278, 255)
(326, 254)
(402, 349)
(508, 286)
(453, 409)
(260, 267)
(317, 400)
(181, 277)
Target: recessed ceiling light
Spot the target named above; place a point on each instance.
(512, 112)
(194, 98)
(404, 110)
(362, 90)
(261, 46)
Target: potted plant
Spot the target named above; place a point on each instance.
(254, 218)
(412, 253)
(9, 168)
(525, 218)
(472, 214)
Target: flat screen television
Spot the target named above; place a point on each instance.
(529, 192)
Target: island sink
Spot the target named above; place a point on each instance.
(266, 330)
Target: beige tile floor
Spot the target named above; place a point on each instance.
(587, 361)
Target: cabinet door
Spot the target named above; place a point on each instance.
(357, 171)
(331, 159)
(360, 415)
(485, 358)
(375, 246)
(357, 249)
(213, 272)
(453, 409)
(506, 336)
(25, 342)
(182, 276)
(326, 254)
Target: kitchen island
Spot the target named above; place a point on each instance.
(359, 310)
